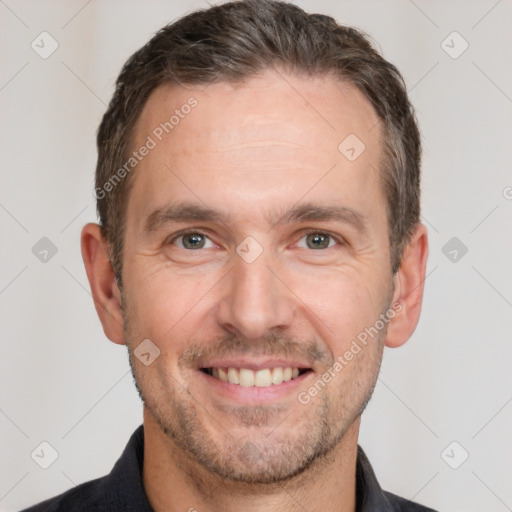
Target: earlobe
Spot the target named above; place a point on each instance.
(409, 286)
(104, 289)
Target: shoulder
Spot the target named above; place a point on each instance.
(84, 497)
(121, 490)
(400, 504)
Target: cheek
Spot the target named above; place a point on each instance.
(167, 305)
(342, 304)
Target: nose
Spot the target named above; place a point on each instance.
(255, 299)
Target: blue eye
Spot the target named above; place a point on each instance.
(192, 240)
(318, 240)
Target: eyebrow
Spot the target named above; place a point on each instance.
(191, 212)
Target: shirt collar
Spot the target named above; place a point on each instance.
(369, 495)
(123, 486)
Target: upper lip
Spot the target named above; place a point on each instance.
(254, 364)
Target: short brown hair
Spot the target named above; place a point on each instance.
(234, 41)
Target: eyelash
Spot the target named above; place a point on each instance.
(304, 233)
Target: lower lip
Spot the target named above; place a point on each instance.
(255, 394)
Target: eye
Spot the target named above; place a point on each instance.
(192, 240)
(318, 240)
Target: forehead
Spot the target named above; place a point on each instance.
(258, 140)
(314, 109)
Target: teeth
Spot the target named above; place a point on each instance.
(277, 376)
(260, 378)
(246, 377)
(263, 378)
(233, 376)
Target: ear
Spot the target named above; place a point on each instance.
(105, 292)
(409, 284)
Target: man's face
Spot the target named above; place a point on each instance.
(295, 294)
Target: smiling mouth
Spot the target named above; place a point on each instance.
(262, 378)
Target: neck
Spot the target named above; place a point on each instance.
(173, 480)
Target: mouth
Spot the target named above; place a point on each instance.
(261, 377)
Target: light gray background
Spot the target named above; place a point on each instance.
(63, 382)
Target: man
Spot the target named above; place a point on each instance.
(259, 244)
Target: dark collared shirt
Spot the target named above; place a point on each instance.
(122, 489)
